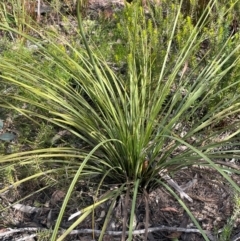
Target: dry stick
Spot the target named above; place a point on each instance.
(147, 214)
(124, 228)
(28, 237)
(234, 166)
(38, 10)
(113, 233)
(236, 237)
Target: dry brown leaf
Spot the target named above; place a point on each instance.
(169, 209)
(174, 235)
(58, 195)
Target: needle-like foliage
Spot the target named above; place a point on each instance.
(139, 125)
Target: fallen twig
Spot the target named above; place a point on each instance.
(113, 233)
(236, 237)
(19, 230)
(28, 237)
(142, 231)
(173, 184)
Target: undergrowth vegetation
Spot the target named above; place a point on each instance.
(141, 99)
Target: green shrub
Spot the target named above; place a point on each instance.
(214, 36)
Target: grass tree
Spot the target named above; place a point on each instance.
(131, 124)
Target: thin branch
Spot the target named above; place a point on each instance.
(28, 237)
(125, 213)
(236, 237)
(147, 214)
(173, 184)
(113, 233)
